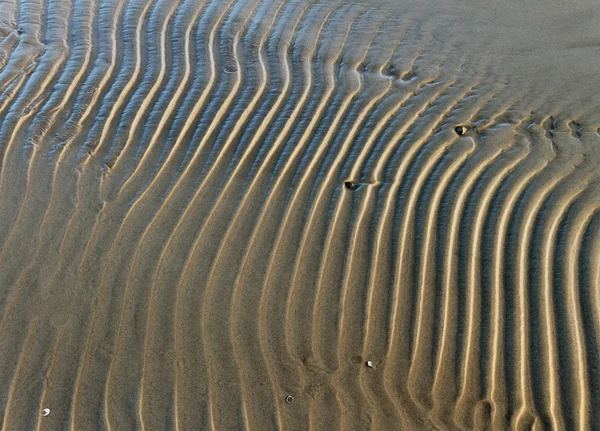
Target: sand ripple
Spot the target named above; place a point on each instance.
(257, 214)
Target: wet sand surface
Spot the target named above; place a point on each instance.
(328, 215)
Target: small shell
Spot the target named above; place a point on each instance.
(289, 399)
(45, 412)
(350, 185)
(370, 364)
(461, 130)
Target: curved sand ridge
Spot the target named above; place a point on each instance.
(252, 214)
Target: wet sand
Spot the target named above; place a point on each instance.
(269, 214)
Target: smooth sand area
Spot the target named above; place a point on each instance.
(293, 215)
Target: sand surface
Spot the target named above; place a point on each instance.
(328, 215)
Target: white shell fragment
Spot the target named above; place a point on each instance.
(45, 412)
(370, 364)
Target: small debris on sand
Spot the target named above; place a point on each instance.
(461, 130)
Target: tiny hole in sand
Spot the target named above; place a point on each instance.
(45, 412)
(461, 130)
(289, 399)
(20, 30)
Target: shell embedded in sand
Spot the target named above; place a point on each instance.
(461, 130)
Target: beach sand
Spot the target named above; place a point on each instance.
(293, 214)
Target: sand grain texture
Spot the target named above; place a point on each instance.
(293, 214)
